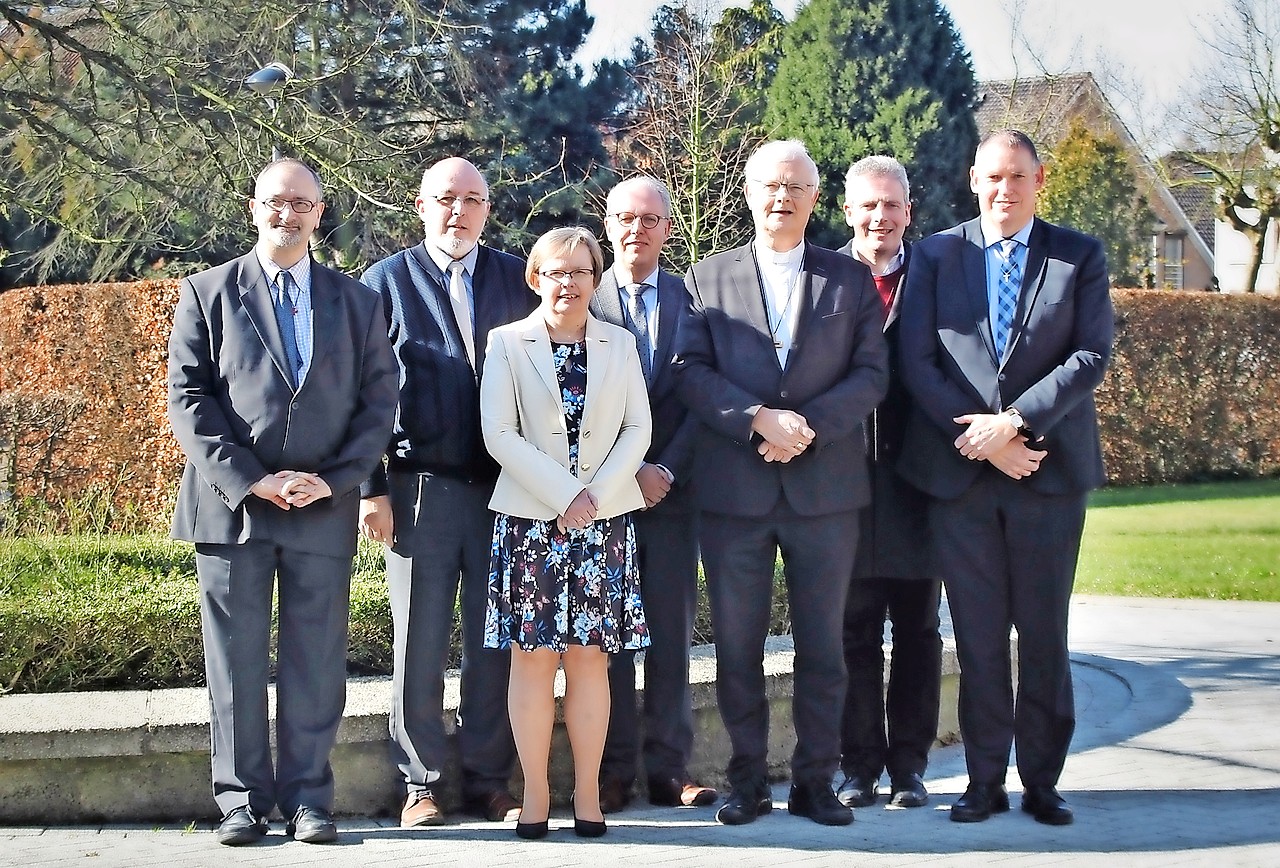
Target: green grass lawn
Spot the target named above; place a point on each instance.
(1211, 541)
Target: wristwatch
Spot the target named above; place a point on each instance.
(1019, 424)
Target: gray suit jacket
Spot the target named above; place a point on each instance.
(237, 417)
(674, 430)
(1056, 356)
(836, 373)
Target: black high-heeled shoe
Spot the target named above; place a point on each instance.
(531, 831)
(588, 828)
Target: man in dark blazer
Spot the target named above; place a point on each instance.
(430, 506)
(281, 393)
(637, 295)
(892, 576)
(1006, 332)
(781, 358)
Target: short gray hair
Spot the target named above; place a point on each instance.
(649, 183)
(876, 166)
(781, 151)
(291, 161)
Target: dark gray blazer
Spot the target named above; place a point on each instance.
(1057, 353)
(836, 373)
(237, 417)
(674, 431)
(893, 533)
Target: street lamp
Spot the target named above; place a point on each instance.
(266, 83)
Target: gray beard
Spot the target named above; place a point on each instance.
(455, 247)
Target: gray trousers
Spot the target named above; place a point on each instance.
(444, 534)
(311, 672)
(668, 551)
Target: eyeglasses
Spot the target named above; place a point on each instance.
(577, 275)
(795, 191)
(448, 200)
(298, 206)
(648, 221)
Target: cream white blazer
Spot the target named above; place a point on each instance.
(523, 421)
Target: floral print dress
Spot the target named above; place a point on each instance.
(552, 589)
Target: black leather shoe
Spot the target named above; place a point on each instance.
(312, 826)
(614, 795)
(858, 791)
(1047, 806)
(979, 802)
(907, 791)
(744, 806)
(818, 803)
(240, 827)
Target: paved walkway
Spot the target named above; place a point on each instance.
(1176, 761)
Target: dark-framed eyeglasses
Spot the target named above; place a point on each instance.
(578, 275)
(448, 200)
(298, 206)
(628, 218)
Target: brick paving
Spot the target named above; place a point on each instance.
(1176, 761)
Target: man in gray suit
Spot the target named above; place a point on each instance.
(638, 295)
(1006, 332)
(430, 507)
(888, 730)
(281, 393)
(781, 358)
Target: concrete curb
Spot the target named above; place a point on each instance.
(141, 756)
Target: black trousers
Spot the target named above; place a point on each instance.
(891, 730)
(738, 554)
(668, 552)
(1011, 560)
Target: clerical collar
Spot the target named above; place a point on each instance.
(767, 256)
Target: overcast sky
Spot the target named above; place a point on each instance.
(1143, 51)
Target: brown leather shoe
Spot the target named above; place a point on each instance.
(496, 806)
(614, 795)
(680, 792)
(420, 809)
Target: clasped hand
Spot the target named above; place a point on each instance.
(290, 488)
(580, 512)
(785, 434)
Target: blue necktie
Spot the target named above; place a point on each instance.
(284, 319)
(639, 315)
(1010, 284)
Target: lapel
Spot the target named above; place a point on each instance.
(598, 358)
(534, 337)
(895, 300)
(974, 266)
(744, 276)
(813, 282)
(324, 314)
(255, 296)
(605, 303)
(1033, 274)
(671, 297)
(434, 293)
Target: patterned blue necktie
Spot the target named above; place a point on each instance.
(284, 319)
(1011, 253)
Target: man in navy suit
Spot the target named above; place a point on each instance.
(1006, 333)
(638, 295)
(892, 576)
(431, 506)
(282, 388)
(781, 358)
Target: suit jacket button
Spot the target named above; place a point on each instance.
(586, 433)
(784, 394)
(586, 467)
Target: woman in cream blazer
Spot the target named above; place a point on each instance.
(564, 410)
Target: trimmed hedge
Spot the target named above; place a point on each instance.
(1192, 392)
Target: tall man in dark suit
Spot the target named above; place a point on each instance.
(281, 391)
(892, 576)
(430, 507)
(780, 358)
(636, 294)
(1006, 332)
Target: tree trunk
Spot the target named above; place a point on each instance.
(1255, 255)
